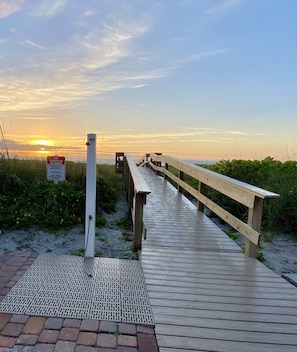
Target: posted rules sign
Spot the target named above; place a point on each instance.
(55, 168)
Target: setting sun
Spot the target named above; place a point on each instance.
(43, 142)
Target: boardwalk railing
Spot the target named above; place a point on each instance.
(250, 196)
(136, 190)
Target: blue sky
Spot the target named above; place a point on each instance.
(196, 79)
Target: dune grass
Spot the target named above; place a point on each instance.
(27, 199)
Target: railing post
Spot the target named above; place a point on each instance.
(126, 175)
(130, 192)
(254, 221)
(166, 167)
(181, 177)
(119, 162)
(159, 164)
(202, 190)
(138, 224)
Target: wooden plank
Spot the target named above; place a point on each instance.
(248, 288)
(217, 345)
(138, 180)
(211, 268)
(221, 291)
(223, 333)
(279, 321)
(283, 312)
(264, 282)
(256, 327)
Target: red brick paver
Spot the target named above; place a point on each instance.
(87, 338)
(34, 325)
(54, 323)
(89, 325)
(27, 340)
(69, 334)
(126, 340)
(19, 332)
(107, 341)
(12, 329)
(49, 336)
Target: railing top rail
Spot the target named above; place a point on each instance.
(195, 170)
(139, 183)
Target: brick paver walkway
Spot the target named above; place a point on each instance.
(47, 334)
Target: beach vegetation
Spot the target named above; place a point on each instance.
(279, 215)
(28, 200)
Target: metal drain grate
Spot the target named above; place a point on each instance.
(59, 286)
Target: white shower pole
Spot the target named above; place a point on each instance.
(90, 221)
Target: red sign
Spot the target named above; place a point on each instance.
(55, 168)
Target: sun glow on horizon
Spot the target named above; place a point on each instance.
(43, 142)
(44, 146)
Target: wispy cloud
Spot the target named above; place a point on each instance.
(136, 86)
(199, 56)
(102, 58)
(70, 73)
(223, 6)
(9, 7)
(38, 118)
(122, 138)
(49, 7)
(239, 133)
(30, 43)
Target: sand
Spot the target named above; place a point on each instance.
(280, 254)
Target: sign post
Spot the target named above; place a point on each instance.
(55, 168)
(90, 218)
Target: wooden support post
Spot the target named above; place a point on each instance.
(158, 163)
(130, 192)
(181, 177)
(254, 221)
(166, 167)
(202, 190)
(119, 162)
(126, 176)
(138, 224)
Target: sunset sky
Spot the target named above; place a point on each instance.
(196, 79)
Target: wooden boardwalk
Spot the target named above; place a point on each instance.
(206, 295)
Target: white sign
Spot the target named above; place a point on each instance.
(55, 168)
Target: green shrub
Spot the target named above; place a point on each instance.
(268, 174)
(27, 199)
(100, 221)
(124, 223)
(107, 195)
